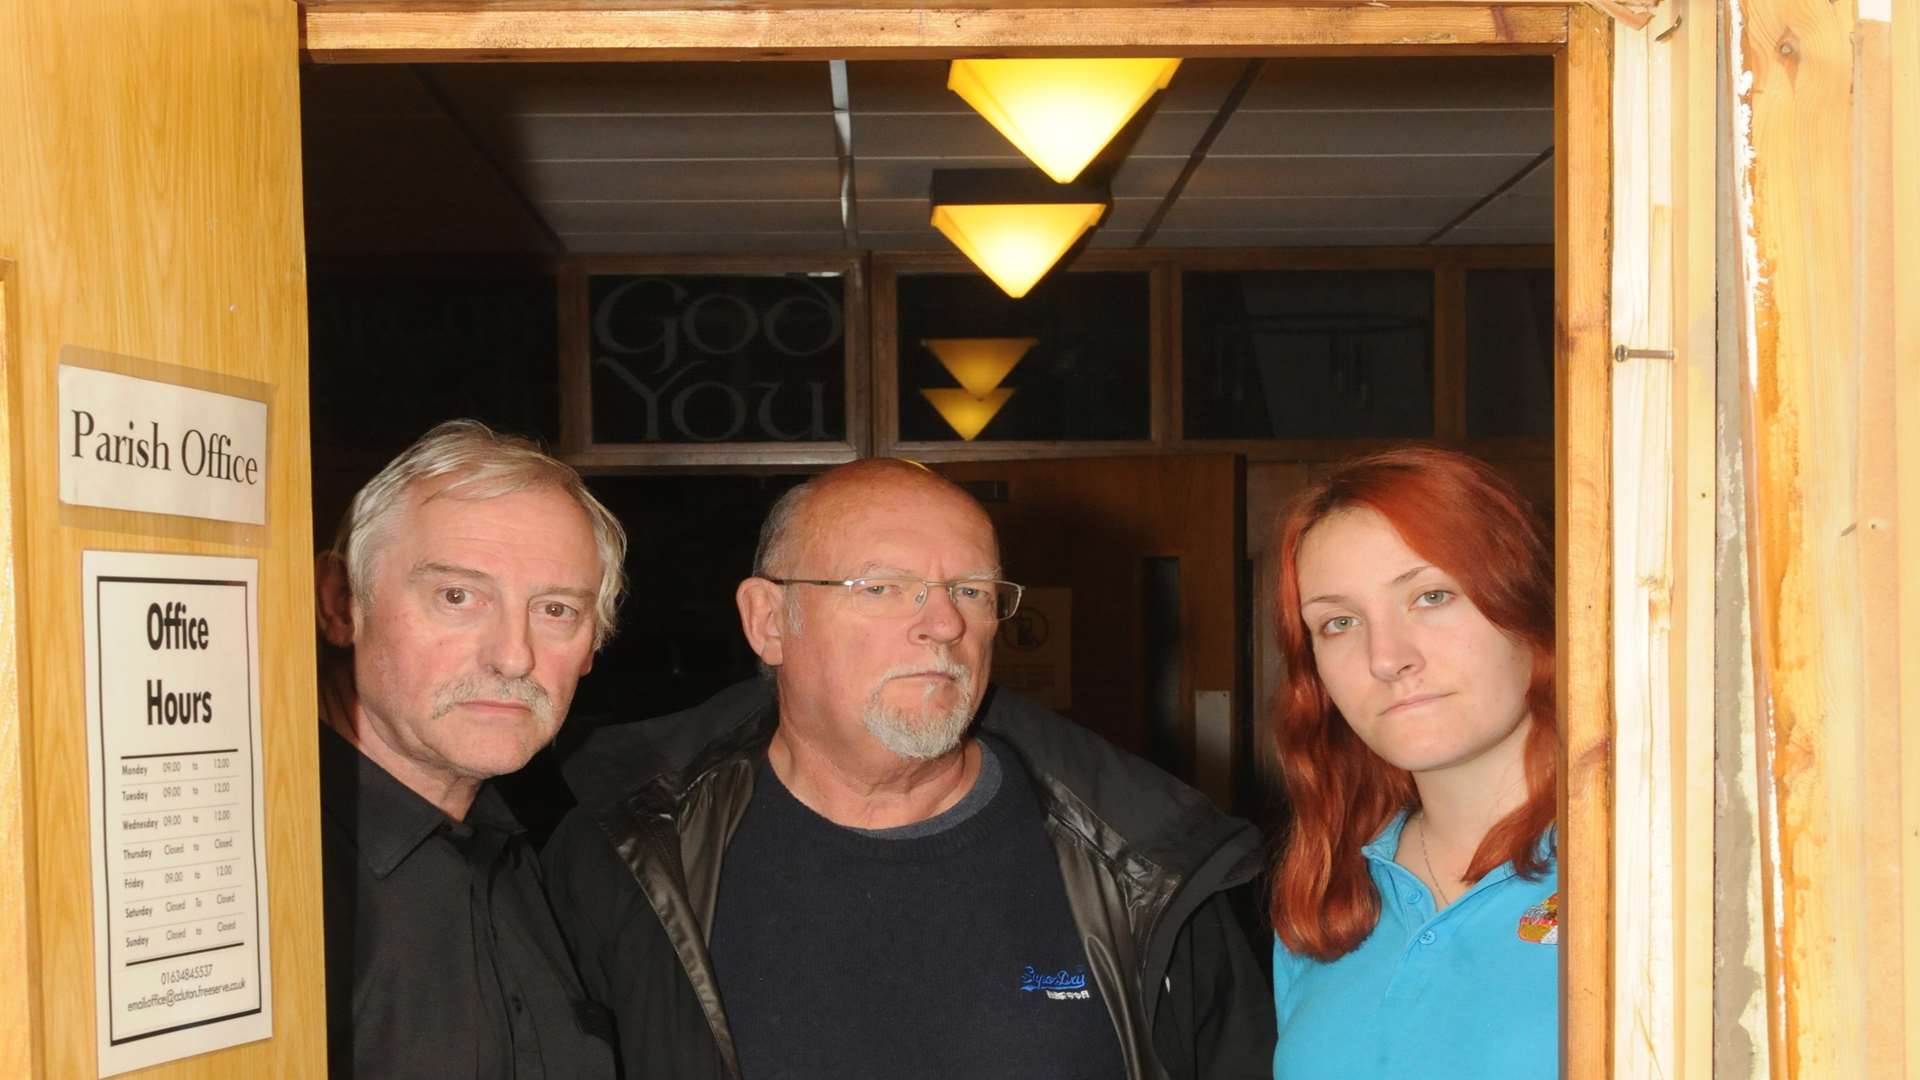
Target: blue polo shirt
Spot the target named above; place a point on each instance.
(1470, 991)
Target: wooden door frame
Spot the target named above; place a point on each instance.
(1579, 39)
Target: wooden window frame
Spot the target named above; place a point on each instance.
(579, 449)
(1579, 39)
(1448, 265)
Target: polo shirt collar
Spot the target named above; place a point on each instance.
(1382, 847)
(385, 820)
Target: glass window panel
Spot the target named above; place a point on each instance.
(1510, 352)
(1290, 354)
(695, 358)
(1086, 377)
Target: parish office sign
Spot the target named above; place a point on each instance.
(141, 444)
(703, 359)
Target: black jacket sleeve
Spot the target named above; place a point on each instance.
(1215, 1016)
(626, 962)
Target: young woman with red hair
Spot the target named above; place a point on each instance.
(1414, 905)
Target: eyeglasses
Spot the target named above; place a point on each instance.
(895, 597)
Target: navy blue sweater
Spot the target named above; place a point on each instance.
(845, 954)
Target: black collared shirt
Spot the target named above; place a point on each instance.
(442, 956)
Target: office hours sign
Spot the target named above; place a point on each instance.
(181, 958)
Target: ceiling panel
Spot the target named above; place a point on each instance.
(931, 137)
(900, 86)
(1305, 237)
(1402, 212)
(1130, 215)
(1202, 86)
(730, 157)
(703, 242)
(1147, 177)
(1522, 82)
(907, 178)
(787, 178)
(916, 240)
(901, 178)
(614, 89)
(1468, 234)
(945, 135)
(893, 215)
(1515, 211)
(377, 162)
(660, 138)
(363, 90)
(1538, 183)
(1357, 133)
(1375, 176)
(743, 216)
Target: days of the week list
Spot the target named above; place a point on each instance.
(185, 888)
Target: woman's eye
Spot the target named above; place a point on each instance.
(1338, 624)
(1434, 597)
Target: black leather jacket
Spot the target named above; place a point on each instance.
(1151, 869)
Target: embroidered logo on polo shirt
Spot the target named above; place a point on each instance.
(1062, 985)
(1540, 923)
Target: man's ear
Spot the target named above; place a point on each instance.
(763, 617)
(333, 599)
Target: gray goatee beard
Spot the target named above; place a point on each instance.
(910, 732)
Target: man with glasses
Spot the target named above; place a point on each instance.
(868, 864)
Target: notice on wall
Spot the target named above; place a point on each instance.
(1034, 650)
(181, 958)
(140, 444)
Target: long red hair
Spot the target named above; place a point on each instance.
(1460, 515)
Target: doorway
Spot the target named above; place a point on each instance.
(1578, 42)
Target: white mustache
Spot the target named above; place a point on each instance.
(521, 691)
(942, 664)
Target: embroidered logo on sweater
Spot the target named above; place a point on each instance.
(1062, 985)
(1540, 923)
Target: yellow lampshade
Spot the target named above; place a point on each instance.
(979, 363)
(1015, 244)
(1060, 113)
(965, 413)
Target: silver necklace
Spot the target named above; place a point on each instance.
(1427, 858)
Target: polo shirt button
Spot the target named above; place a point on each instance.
(1426, 938)
(1413, 899)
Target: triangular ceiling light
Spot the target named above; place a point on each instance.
(965, 413)
(1060, 113)
(979, 363)
(1014, 224)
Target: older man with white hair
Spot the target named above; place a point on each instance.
(471, 583)
(867, 865)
